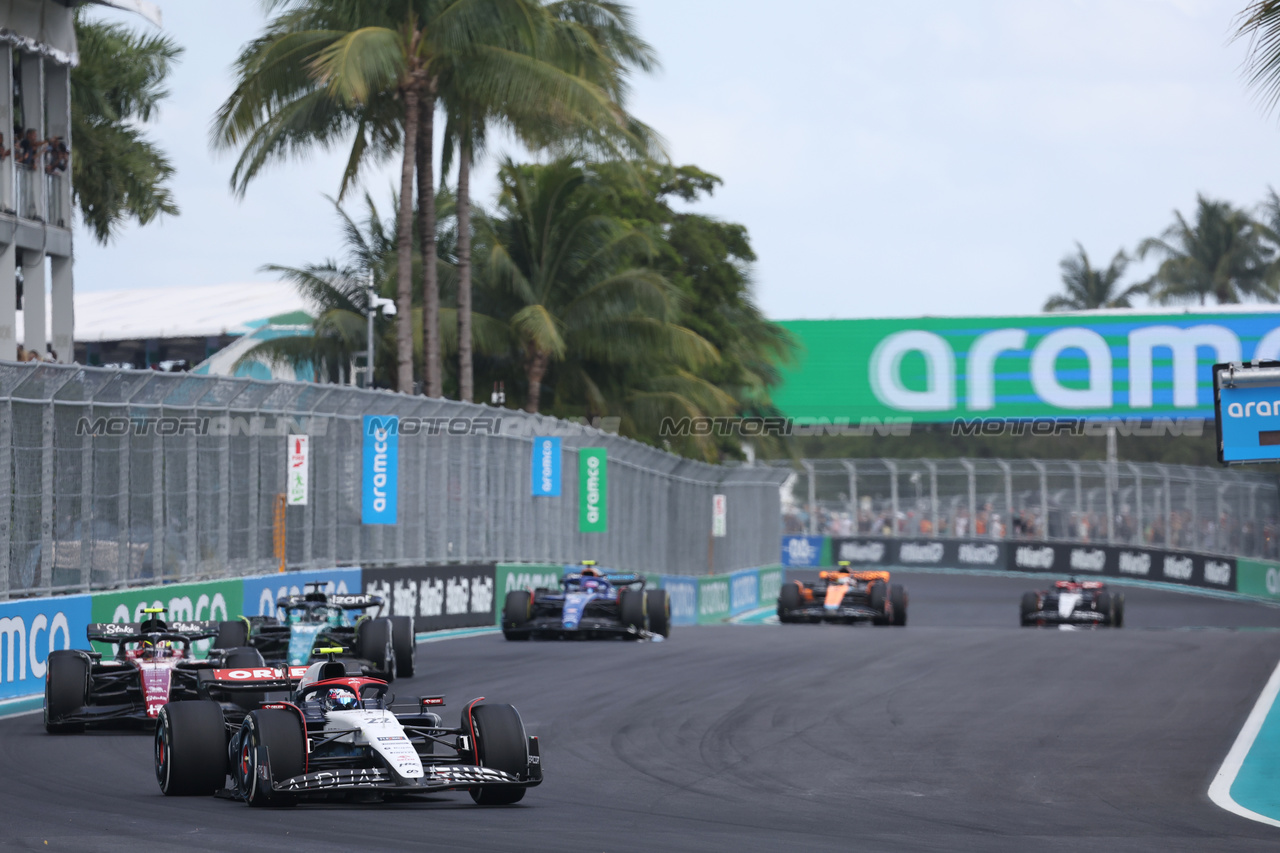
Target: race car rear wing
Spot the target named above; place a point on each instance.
(355, 601)
(255, 679)
(131, 632)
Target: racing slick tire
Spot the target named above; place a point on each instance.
(275, 738)
(1118, 604)
(898, 599)
(516, 611)
(66, 690)
(631, 609)
(1030, 604)
(245, 657)
(659, 607)
(191, 749)
(1106, 606)
(500, 744)
(789, 601)
(878, 600)
(404, 644)
(232, 634)
(373, 643)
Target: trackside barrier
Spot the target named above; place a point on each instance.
(31, 628)
(1254, 578)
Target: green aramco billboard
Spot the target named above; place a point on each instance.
(1107, 364)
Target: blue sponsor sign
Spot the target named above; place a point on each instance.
(744, 591)
(545, 473)
(261, 593)
(801, 550)
(1248, 415)
(29, 630)
(381, 466)
(684, 598)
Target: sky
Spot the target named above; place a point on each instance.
(888, 159)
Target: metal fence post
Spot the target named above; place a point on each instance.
(812, 509)
(1008, 497)
(893, 494)
(971, 530)
(933, 496)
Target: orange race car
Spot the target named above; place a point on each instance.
(843, 595)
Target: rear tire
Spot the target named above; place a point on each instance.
(373, 643)
(898, 599)
(1119, 610)
(500, 744)
(659, 607)
(631, 609)
(404, 644)
(191, 749)
(1030, 604)
(66, 690)
(232, 634)
(274, 738)
(517, 610)
(789, 601)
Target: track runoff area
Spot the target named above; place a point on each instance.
(960, 731)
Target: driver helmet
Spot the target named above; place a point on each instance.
(589, 569)
(338, 699)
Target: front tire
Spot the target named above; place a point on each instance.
(631, 609)
(500, 744)
(273, 739)
(1030, 604)
(789, 601)
(404, 643)
(66, 690)
(1106, 606)
(659, 607)
(191, 749)
(898, 601)
(1119, 610)
(878, 600)
(517, 610)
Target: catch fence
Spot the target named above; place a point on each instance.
(1217, 511)
(115, 478)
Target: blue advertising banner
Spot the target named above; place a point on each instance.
(260, 593)
(744, 591)
(545, 468)
(29, 630)
(684, 598)
(802, 551)
(381, 466)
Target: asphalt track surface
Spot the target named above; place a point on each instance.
(958, 732)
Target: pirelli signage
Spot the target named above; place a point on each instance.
(1081, 559)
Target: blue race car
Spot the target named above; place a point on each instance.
(590, 604)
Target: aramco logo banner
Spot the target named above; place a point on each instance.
(1092, 365)
(381, 466)
(593, 480)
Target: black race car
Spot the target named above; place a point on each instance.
(1072, 602)
(844, 596)
(385, 646)
(152, 665)
(337, 735)
(589, 605)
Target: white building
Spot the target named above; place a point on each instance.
(37, 52)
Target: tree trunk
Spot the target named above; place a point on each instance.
(404, 244)
(433, 380)
(466, 381)
(535, 370)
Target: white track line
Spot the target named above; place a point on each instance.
(1220, 790)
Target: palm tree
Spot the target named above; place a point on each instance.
(1221, 255)
(1088, 288)
(1259, 23)
(563, 272)
(338, 295)
(117, 173)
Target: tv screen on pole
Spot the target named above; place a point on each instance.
(1094, 365)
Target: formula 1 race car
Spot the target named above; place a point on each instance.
(152, 665)
(385, 647)
(589, 605)
(1072, 602)
(844, 596)
(337, 735)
